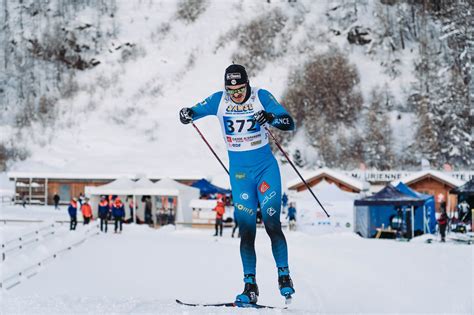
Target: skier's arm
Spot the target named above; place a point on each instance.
(205, 108)
(281, 119)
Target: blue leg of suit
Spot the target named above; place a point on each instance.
(251, 186)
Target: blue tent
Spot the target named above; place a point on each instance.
(206, 188)
(428, 209)
(378, 210)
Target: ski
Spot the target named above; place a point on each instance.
(230, 304)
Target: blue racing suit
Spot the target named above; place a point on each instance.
(254, 173)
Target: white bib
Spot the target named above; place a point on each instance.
(241, 131)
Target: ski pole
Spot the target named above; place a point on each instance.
(294, 167)
(210, 148)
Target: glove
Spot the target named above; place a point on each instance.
(263, 117)
(186, 115)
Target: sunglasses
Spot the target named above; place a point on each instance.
(236, 91)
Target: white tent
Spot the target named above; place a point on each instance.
(186, 194)
(120, 186)
(338, 203)
(124, 187)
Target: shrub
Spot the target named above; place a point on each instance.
(189, 10)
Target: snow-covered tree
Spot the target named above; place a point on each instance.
(378, 134)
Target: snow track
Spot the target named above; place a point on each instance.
(143, 271)
(25, 255)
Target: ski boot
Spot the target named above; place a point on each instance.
(250, 294)
(285, 284)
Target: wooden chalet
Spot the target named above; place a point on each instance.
(40, 188)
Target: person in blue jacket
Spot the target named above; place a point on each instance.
(244, 112)
(291, 216)
(118, 212)
(72, 210)
(103, 213)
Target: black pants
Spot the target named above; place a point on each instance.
(103, 224)
(442, 231)
(236, 226)
(73, 223)
(118, 223)
(220, 225)
(56, 205)
(86, 220)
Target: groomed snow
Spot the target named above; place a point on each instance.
(143, 270)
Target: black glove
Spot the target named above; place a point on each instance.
(186, 115)
(263, 117)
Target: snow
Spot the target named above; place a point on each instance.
(177, 65)
(143, 270)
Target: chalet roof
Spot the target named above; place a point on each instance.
(337, 176)
(439, 176)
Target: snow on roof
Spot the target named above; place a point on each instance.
(439, 175)
(54, 175)
(125, 186)
(337, 175)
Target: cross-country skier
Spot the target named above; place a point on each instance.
(243, 111)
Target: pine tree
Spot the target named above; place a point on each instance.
(378, 142)
(426, 144)
(455, 142)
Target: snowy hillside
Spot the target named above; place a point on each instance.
(146, 59)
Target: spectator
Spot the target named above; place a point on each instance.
(103, 213)
(284, 201)
(291, 216)
(171, 216)
(56, 199)
(86, 211)
(443, 223)
(148, 207)
(131, 206)
(463, 211)
(236, 225)
(118, 212)
(81, 199)
(220, 210)
(72, 209)
(23, 200)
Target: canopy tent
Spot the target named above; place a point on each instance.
(467, 189)
(337, 202)
(424, 220)
(124, 187)
(186, 194)
(377, 211)
(206, 188)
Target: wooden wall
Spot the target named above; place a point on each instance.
(433, 186)
(77, 187)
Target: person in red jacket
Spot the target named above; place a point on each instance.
(443, 223)
(86, 211)
(220, 210)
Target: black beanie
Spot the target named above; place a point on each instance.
(235, 75)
